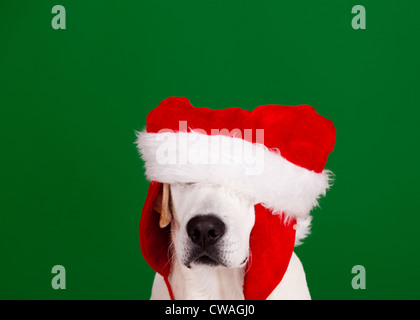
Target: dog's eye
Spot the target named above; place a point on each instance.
(187, 184)
(184, 185)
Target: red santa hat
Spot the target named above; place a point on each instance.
(274, 154)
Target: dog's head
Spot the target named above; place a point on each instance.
(210, 224)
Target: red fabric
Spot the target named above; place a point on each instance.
(271, 246)
(303, 136)
(154, 241)
(168, 285)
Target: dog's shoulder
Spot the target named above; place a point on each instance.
(159, 289)
(293, 286)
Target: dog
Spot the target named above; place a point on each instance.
(210, 232)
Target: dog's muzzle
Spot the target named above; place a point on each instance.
(205, 232)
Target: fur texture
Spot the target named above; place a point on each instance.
(252, 169)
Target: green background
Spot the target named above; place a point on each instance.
(72, 184)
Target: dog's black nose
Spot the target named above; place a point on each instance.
(205, 230)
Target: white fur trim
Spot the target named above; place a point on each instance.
(303, 229)
(262, 174)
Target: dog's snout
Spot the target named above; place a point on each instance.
(205, 230)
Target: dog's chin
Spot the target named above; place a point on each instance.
(210, 261)
(207, 261)
(203, 260)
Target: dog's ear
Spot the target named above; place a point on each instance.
(162, 206)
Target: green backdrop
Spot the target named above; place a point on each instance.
(72, 184)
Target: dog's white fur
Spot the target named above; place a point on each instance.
(225, 281)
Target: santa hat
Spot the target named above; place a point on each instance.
(274, 154)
